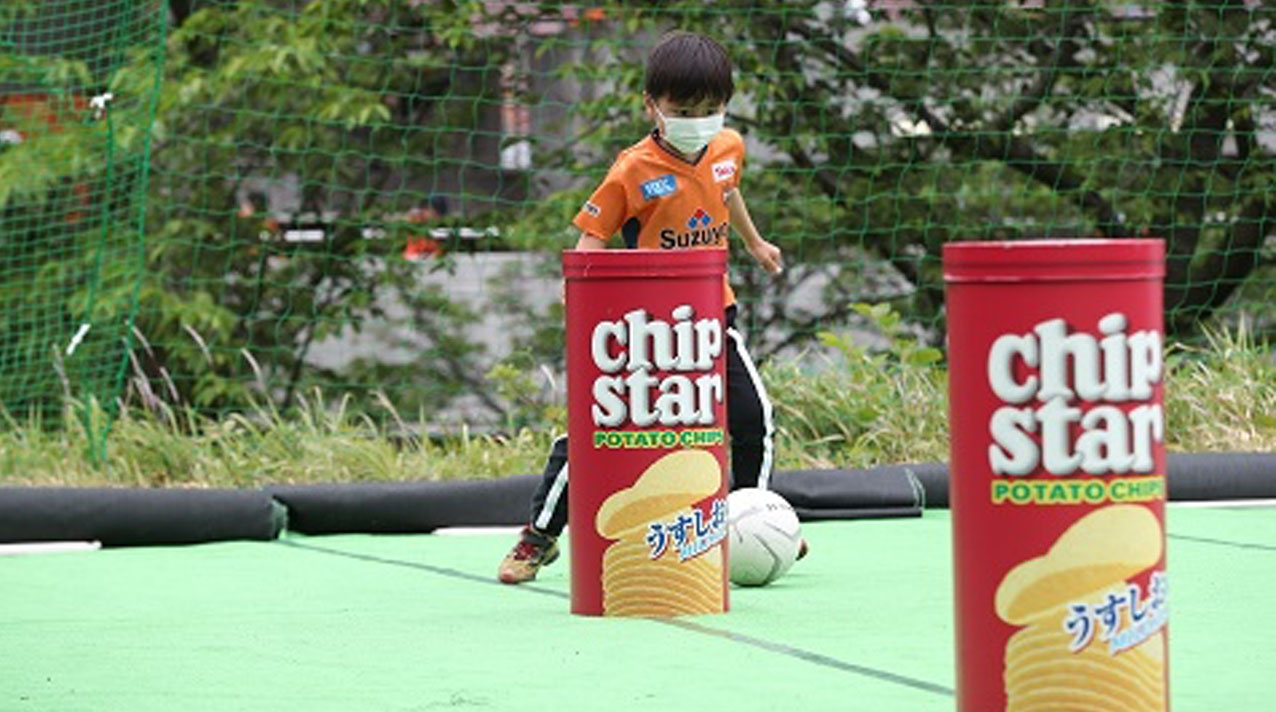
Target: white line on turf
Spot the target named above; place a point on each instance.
(48, 547)
(1226, 504)
(480, 531)
(477, 531)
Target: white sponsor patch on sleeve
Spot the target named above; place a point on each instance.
(723, 170)
(593, 210)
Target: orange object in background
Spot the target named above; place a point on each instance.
(42, 109)
(422, 247)
(51, 112)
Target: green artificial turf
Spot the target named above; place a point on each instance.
(411, 623)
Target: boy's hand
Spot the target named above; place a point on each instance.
(586, 241)
(767, 255)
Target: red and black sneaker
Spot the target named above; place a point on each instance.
(533, 550)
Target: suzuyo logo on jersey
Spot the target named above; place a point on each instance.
(657, 371)
(700, 232)
(1039, 375)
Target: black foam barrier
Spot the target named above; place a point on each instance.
(132, 517)
(1195, 477)
(406, 507)
(1189, 477)
(851, 494)
(123, 517)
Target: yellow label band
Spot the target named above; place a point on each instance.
(652, 439)
(1088, 491)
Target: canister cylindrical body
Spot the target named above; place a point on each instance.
(1057, 474)
(646, 392)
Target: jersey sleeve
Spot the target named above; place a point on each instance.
(736, 151)
(607, 209)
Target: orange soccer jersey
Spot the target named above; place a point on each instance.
(658, 201)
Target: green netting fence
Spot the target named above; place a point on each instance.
(368, 196)
(78, 84)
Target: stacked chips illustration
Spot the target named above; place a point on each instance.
(643, 578)
(1059, 659)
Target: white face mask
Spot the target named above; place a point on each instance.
(690, 135)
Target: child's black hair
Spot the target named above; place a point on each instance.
(688, 68)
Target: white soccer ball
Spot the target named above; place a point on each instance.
(764, 535)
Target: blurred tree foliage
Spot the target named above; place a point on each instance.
(78, 82)
(888, 129)
(878, 132)
(348, 98)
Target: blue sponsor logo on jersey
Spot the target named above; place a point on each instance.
(659, 187)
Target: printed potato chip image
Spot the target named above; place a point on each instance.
(1041, 674)
(636, 585)
(676, 480)
(643, 577)
(1070, 656)
(1098, 550)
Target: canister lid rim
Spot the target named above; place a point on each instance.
(1035, 260)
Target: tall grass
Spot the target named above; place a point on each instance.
(841, 405)
(1221, 397)
(849, 405)
(319, 441)
(868, 408)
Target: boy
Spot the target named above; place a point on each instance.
(669, 192)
